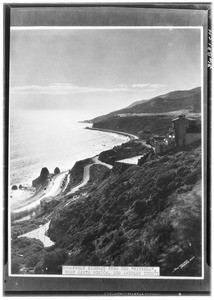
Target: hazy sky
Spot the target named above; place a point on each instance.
(101, 69)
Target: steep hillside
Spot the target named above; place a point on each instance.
(173, 101)
(158, 124)
(144, 216)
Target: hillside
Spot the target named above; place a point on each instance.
(158, 124)
(173, 101)
(143, 216)
(147, 215)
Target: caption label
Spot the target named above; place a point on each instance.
(89, 271)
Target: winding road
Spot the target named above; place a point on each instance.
(86, 174)
(53, 188)
(86, 178)
(97, 161)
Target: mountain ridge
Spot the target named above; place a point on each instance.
(172, 101)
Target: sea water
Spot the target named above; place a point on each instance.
(52, 138)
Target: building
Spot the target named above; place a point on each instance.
(158, 143)
(186, 130)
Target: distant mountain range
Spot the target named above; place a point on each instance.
(173, 101)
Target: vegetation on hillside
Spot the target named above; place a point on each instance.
(25, 253)
(144, 216)
(158, 124)
(170, 102)
(126, 150)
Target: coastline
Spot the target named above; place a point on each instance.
(129, 135)
(22, 211)
(28, 211)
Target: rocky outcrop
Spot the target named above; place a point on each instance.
(42, 177)
(56, 170)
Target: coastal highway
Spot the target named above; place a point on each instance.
(53, 188)
(97, 161)
(86, 177)
(86, 174)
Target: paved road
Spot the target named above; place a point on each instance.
(86, 174)
(86, 177)
(97, 161)
(53, 188)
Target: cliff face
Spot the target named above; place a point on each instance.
(142, 216)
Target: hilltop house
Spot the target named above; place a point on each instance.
(186, 130)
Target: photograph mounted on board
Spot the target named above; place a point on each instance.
(106, 150)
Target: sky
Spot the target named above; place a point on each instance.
(100, 69)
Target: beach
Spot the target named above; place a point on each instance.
(52, 188)
(52, 139)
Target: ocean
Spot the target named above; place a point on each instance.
(52, 138)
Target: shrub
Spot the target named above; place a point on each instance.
(183, 170)
(117, 243)
(106, 240)
(165, 179)
(33, 260)
(193, 177)
(140, 207)
(163, 159)
(39, 268)
(174, 165)
(53, 260)
(88, 238)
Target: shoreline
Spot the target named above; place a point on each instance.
(129, 135)
(33, 205)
